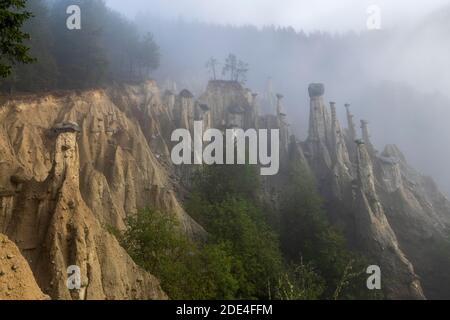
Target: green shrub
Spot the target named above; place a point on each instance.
(187, 270)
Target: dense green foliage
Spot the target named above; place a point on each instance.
(106, 48)
(238, 226)
(226, 202)
(243, 257)
(307, 237)
(187, 270)
(13, 15)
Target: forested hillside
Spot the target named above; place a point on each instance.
(108, 47)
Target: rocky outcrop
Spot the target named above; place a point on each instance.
(59, 230)
(326, 148)
(386, 208)
(366, 137)
(346, 179)
(376, 237)
(184, 110)
(16, 279)
(283, 126)
(319, 133)
(419, 214)
(230, 104)
(60, 189)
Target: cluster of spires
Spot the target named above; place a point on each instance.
(315, 90)
(364, 129)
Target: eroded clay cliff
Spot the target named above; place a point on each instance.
(17, 282)
(75, 164)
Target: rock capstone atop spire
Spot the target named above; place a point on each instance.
(68, 126)
(186, 94)
(316, 90)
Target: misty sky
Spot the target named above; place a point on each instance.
(308, 15)
(397, 73)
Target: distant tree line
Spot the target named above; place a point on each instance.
(107, 47)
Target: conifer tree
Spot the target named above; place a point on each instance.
(13, 15)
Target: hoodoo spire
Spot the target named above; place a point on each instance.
(282, 125)
(319, 122)
(279, 105)
(366, 136)
(350, 123)
(337, 147)
(333, 111)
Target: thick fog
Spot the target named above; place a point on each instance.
(397, 78)
(307, 15)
